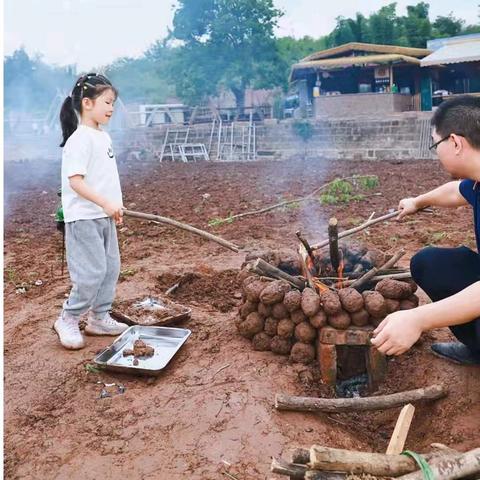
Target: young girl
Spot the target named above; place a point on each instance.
(92, 205)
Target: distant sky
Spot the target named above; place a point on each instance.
(91, 33)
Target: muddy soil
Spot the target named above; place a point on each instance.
(211, 411)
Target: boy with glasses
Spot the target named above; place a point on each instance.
(449, 276)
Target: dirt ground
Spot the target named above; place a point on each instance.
(210, 414)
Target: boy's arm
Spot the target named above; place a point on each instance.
(447, 195)
(111, 209)
(400, 330)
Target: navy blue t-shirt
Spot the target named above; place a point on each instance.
(471, 192)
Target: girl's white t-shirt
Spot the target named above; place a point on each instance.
(89, 152)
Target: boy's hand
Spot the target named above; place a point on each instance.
(407, 206)
(397, 332)
(115, 211)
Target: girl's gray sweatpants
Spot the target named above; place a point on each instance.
(93, 262)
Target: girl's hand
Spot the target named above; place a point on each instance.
(397, 332)
(115, 211)
(407, 206)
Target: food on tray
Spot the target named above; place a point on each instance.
(140, 349)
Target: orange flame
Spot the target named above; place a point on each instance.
(340, 274)
(319, 285)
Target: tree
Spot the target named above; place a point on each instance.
(30, 84)
(448, 26)
(225, 43)
(383, 26)
(418, 28)
(144, 79)
(349, 30)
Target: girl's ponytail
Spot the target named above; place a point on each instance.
(68, 119)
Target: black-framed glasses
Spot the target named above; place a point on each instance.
(436, 144)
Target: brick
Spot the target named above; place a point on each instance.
(350, 336)
(376, 367)
(327, 359)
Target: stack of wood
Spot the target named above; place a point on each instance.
(277, 316)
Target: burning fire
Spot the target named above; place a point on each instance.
(340, 274)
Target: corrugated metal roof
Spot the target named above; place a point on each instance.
(462, 51)
(367, 47)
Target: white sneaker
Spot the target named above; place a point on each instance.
(68, 331)
(104, 326)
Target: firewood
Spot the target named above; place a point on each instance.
(380, 402)
(282, 467)
(183, 226)
(380, 464)
(451, 467)
(263, 268)
(333, 243)
(300, 471)
(397, 276)
(371, 273)
(300, 455)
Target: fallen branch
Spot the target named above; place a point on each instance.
(336, 405)
(183, 226)
(364, 225)
(310, 196)
(451, 467)
(371, 273)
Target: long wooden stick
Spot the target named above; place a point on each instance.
(371, 273)
(336, 405)
(452, 467)
(310, 196)
(183, 226)
(364, 225)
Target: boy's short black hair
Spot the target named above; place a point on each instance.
(459, 115)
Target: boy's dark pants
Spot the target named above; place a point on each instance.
(443, 272)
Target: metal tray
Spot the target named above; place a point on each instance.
(165, 340)
(145, 317)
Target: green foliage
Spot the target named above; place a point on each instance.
(368, 182)
(144, 79)
(225, 43)
(217, 221)
(448, 26)
(345, 191)
(303, 128)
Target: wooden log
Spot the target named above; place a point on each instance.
(380, 464)
(183, 226)
(380, 402)
(373, 272)
(300, 455)
(264, 268)
(333, 243)
(400, 432)
(452, 467)
(302, 256)
(295, 471)
(305, 243)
